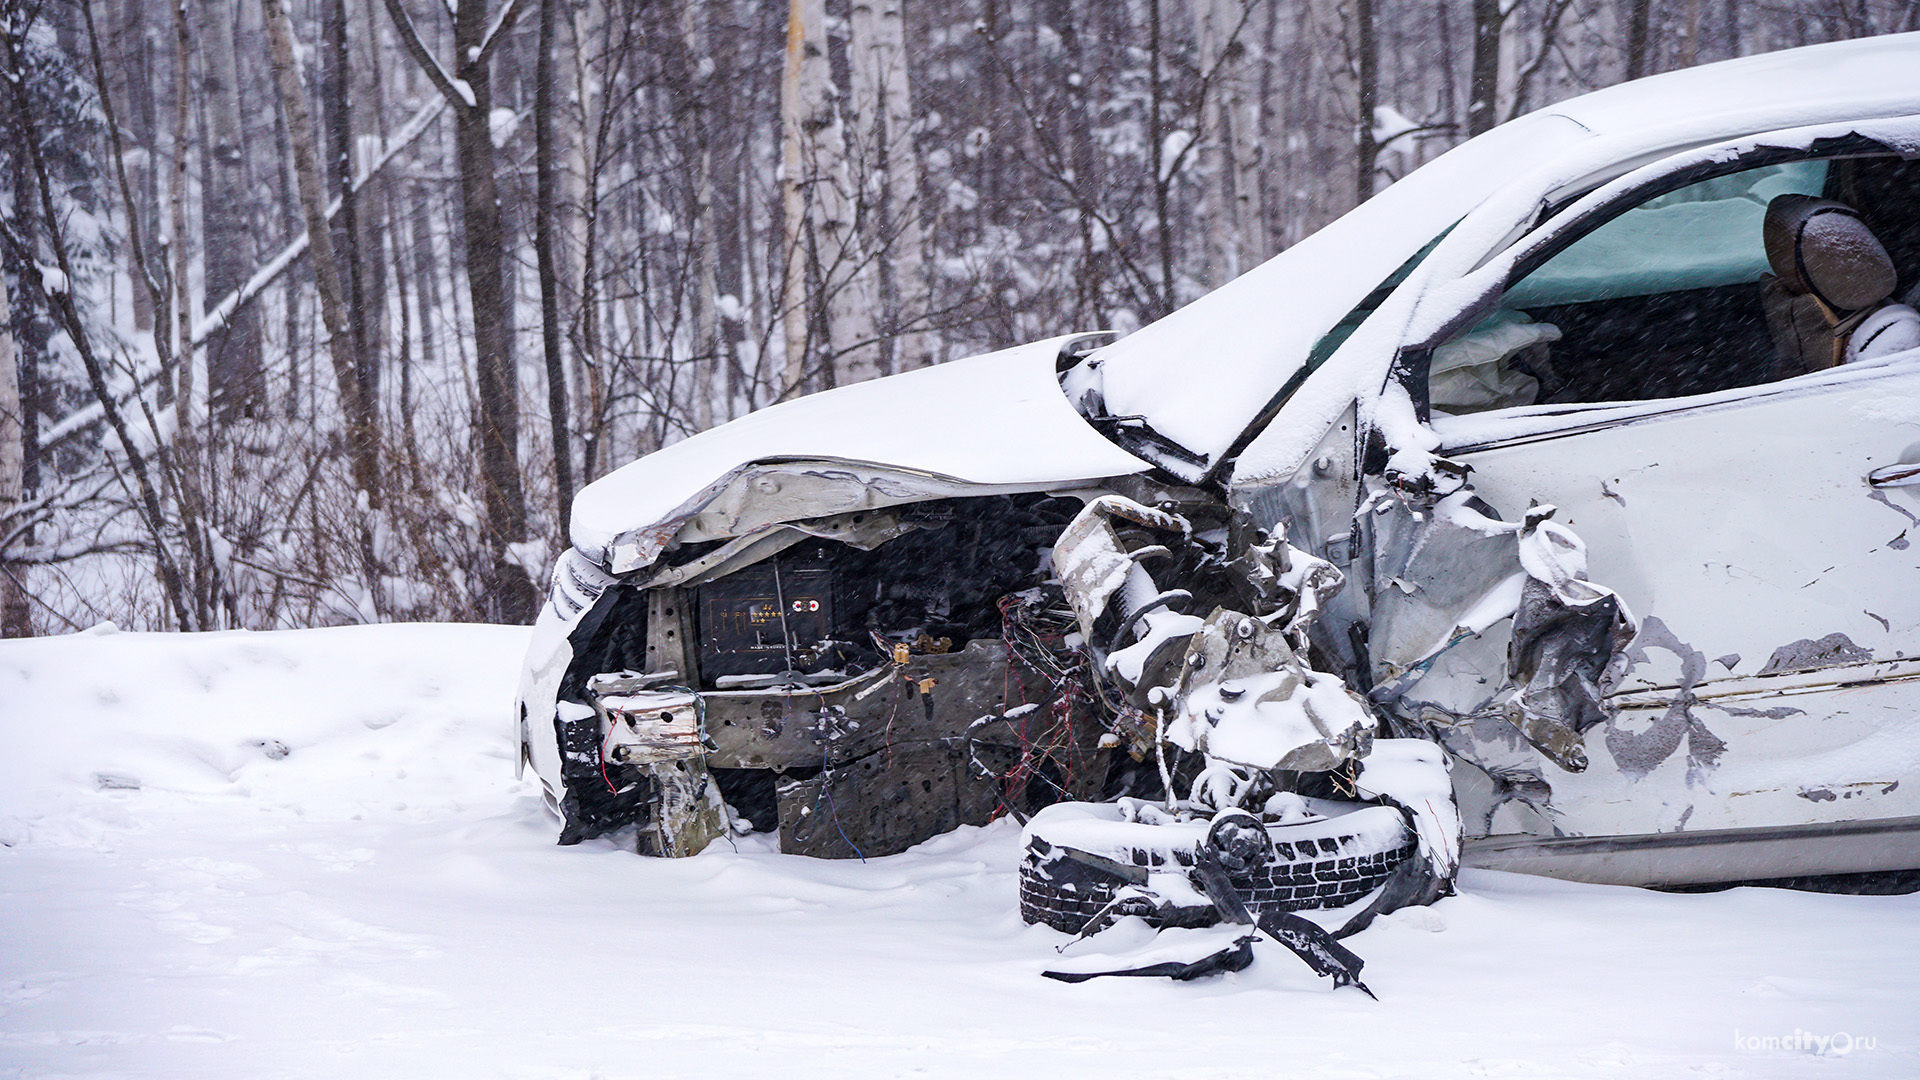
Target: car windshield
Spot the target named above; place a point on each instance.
(1204, 375)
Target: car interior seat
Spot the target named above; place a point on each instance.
(1830, 273)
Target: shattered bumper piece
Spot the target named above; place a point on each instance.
(647, 728)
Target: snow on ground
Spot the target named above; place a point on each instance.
(178, 897)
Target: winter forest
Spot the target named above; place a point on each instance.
(319, 311)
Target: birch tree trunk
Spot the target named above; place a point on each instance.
(14, 622)
(805, 33)
(177, 239)
(821, 200)
(580, 181)
(184, 456)
(543, 243)
(846, 273)
(1162, 169)
(883, 118)
(370, 242)
(1506, 89)
(1073, 123)
(130, 80)
(688, 83)
(1231, 154)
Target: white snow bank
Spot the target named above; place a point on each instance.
(385, 901)
(322, 722)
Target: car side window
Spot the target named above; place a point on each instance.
(1676, 295)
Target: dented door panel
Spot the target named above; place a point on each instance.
(1776, 590)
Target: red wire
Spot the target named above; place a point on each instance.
(603, 768)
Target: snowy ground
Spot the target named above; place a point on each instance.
(180, 898)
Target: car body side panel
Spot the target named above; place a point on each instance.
(1770, 682)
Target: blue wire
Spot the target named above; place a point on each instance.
(825, 789)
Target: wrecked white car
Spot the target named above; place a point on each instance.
(1550, 511)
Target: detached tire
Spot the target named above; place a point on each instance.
(1328, 863)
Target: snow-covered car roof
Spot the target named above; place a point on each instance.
(997, 420)
(1201, 375)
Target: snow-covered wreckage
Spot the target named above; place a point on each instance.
(1551, 511)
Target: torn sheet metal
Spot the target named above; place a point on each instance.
(646, 727)
(687, 810)
(1446, 571)
(1443, 571)
(865, 530)
(1277, 576)
(656, 734)
(1093, 563)
(753, 498)
(1566, 632)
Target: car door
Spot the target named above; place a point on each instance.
(1775, 675)
(1760, 530)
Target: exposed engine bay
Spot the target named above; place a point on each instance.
(857, 694)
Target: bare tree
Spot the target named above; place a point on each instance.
(802, 94)
(469, 92)
(336, 112)
(363, 438)
(1639, 25)
(544, 242)
(1483, 96)
(1232, 154)
(14, 621)
(236, 381)
(883, 135)
(60, 296)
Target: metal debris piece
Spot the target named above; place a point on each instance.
(1317, 948)
(1235, 957)
(648, 727)
(1091, 560)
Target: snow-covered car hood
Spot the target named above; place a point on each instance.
(997, 421)
(1203, 374)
